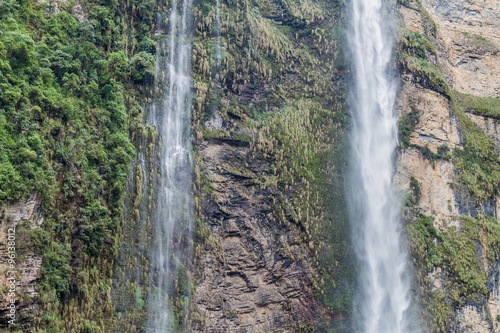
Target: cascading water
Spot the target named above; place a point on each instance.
(375, 213)
(170, 113)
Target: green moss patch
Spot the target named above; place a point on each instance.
(425, 73)
(484, 106)
(456, 253)
(477, 162)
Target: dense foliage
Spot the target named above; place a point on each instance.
(67, 105)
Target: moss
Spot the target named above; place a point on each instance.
(477, 162)
(455, 252)
(406, 126)
(425, 73)
(484, 106)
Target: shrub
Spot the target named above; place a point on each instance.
(143, 67)
(407, 124)
(425, 73)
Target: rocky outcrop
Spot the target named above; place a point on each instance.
(257, 277)
(59, 6)
(24, 271)
(466, 43)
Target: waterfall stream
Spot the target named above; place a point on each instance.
(375, 212)
(170, 114)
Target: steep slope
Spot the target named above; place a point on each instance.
(269, 118)
(448, 159)
(272, 243)
(69, 80)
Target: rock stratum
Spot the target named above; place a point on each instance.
(448, 105)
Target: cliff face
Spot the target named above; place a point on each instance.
(447, 174)
(17, 217)
(269, 117)
(448, 160)
(257, 273)
(69, 80)
(269, 121)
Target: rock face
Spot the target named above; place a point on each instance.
(270, 252)
(466, 40)
(26, 269)
(468, 34)
(258, 274)
(77, 9)
(271, 249)
(258, 277)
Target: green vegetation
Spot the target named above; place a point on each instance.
(413, 52)
(406, 126)
(480, 44)
(452, 261)
(477, 162)
(455, 253)
(416, 192)
(484, 106)
(68, 102)
(443, 151)
(425, 73)
(303, 145)
(416, 45)
(283, 86)
(430, 26)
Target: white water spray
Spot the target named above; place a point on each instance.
(171, 115)
(375, 212)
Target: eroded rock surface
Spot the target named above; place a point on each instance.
(257, 276)
(469, 32)
(26, 269)
(466, 38)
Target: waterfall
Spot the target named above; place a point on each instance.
(375, 213)
(173, 215)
